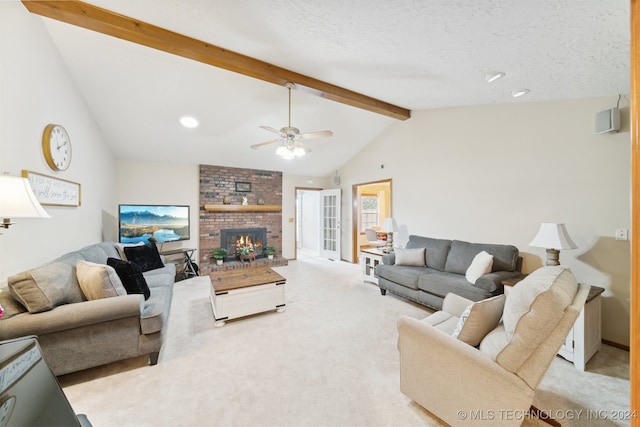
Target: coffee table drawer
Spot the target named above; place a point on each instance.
(241, 302)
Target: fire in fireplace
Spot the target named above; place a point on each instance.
(233, 238)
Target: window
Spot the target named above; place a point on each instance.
(369, 216)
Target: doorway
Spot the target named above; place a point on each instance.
(307, 223)
(318, 214)
(371, 205)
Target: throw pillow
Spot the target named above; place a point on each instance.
(120, 248)
(413, 257)
(146, 256)
(480, 265)
(98, 281)
(131, 276)
(43, 288)
(9, 305)
(479, 319)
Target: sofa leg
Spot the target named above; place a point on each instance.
(383, 291)
(153, 358)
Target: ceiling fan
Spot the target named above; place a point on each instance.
(290, 144)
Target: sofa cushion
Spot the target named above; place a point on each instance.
(401, 274)
(412, 257)
(436, 250)
(442, 320)
(98, 252)
(440, 283)
(146, 256)
(98, 281)
(533, 309)
(46, 287)
(505, 257)
(130, 275)
(479, 319)
(480, 265)
(160, 277)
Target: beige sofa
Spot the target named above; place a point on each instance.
(77, 332)
(493, 384)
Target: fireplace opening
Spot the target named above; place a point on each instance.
(234, 238)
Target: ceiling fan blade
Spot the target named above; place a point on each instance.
(319, 134)
(256, 146)
(270, 129)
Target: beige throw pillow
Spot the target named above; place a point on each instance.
(480, 265)
(479, 319)
(98, 281)
(412, 257)
(45, 287)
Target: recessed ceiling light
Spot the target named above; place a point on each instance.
(519, 92)
(189, 122)
(493, 76)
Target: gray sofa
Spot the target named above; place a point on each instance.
(76, 332)
(445, 265)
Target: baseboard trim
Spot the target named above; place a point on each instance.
(616, 345)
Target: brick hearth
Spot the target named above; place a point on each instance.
(216, 182)
(261, 262)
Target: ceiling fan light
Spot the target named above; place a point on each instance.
(288, 155)
(299, 152)
(519, 92)
(189, 122)
(281, 150)
(493, 76)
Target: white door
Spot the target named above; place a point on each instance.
(330, 226)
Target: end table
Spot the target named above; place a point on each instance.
(370, 258)
(585, 338)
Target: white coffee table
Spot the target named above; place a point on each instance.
(245, 291)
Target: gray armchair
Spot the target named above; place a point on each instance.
(494, 383)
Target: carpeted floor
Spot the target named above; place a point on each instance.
(329, 360)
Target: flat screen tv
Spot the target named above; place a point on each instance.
(167, 223)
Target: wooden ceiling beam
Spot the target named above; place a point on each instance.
(106, 22)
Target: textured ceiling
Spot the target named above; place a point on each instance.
(417, 54)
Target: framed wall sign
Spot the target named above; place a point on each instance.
(53, 191)
(244, 187)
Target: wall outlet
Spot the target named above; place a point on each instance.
(621, 234)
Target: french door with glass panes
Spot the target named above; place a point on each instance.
(330, 225)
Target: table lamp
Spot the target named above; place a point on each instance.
(389, 226)
(17, 200)
(553, 237)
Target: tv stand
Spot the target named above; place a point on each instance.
(183, 258)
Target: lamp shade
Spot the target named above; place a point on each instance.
(553, 236)
(17, 199)
(389, 225)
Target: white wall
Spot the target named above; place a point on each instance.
(35, 90)
(492, 174)
(142, 183)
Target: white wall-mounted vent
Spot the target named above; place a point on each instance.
(608, 121)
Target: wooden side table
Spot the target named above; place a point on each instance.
(370, 259)
(585, 338)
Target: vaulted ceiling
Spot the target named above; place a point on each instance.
(410, 54)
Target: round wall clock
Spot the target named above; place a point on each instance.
(56, 147)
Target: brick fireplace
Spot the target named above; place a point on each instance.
(220, 184)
